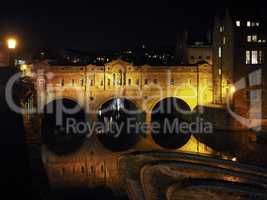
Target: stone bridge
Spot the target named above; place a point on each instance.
(93, 161)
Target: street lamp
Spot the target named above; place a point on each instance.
(11, 44)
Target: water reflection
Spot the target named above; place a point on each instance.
(120, 118)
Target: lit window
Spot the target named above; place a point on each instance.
(254, 57)
(224, 40)
(253, 24)
(220, 71)
(238, 23)
(220, 52)
(248, 58)
(257, 23)
(254, 38)
(263, 41)
(259, 41)
(221, 29)
(249, 38)
(248, 23)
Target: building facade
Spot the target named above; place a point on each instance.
(239, 49)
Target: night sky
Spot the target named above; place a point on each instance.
(104, 25)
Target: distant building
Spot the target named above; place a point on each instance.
(192, 53)
(239, 50)
(199, 53)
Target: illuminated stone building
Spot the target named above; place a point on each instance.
(91, 87)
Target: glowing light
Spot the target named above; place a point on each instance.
(234, 159)
(11, 43)
(23, 67)
(232, 89)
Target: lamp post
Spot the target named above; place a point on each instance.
(11, 44)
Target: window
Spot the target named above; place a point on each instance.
(102, 82)
(220, 52)
(82, 170)
(192, 57)
(72, 82)
(248, 23)
(253, 24)
(172, 81)
(224, 40)
(249, 38)
(248, 60)
(189, 81)
(238, 23)
(137, 82)
(114, 79)
(257, 23)
(82, 82)
(255, 78)
(92, 82)
(62, 82)
(221, 29)
(254, 38)
(200, 57)
(255, 95)
(108, 81)
(220, 71)
(129, 81)
(146, 81)
(155, 81)
(254, 57)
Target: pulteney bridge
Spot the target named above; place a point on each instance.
(104, 93)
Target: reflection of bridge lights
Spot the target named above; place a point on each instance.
(234, 159)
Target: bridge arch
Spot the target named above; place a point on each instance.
(166, 118)
(120, 120)
(63, 131)
(48, 99)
